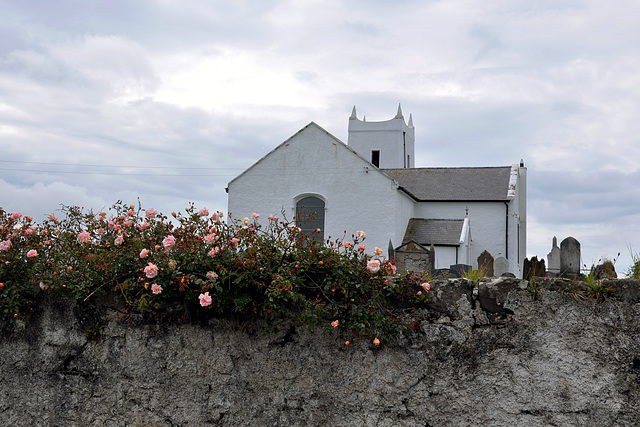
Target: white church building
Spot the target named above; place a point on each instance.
(372, 184)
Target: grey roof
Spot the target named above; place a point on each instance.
(454, 184)
(433, 231)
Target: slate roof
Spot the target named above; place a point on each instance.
(453, 184)
(436, 231)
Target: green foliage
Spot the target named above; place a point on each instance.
(534, 290)
(634, 270)
(596, 288)
(474, 275)
(204, 266)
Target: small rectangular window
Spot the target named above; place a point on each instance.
(375, 158)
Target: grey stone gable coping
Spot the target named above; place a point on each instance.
(454, 184)
(370, 165)
(443, 232)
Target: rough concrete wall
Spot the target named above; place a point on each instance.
(484, 356)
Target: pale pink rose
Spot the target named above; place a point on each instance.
(84, 237)
(43, 286)
(234, 241)
(214, 216)
(426, 286)
(362, 248)
(119, 240)
(144, 253)
(53, 218)
(376, 341)
(102, 213)
(156, 289)
(361, 234)
(143, 226)
(346, 244)
(130, 212)
(213, 252)
(111, 224)
(5, 245)
(255, 215)
(377, 251)
(32, 253)
(28, 231)
(205, 299)
(151, 270)
(210, 238)
(391, 269)
(150, 213)
(127, 223)
(100, 231)
(16, 215)
(173, 264)
(373, 265)
(335, 323)
(211, 275)
(169, 242)
(203, 212)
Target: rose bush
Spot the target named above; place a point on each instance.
(203, 265)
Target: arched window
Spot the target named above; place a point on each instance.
(310, 216)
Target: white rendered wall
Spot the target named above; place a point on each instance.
(487, 225)
(393, 138)
(313, 162)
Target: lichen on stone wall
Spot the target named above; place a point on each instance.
(487, 355)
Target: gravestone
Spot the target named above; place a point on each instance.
(500, 266)
(533, 268)
(458, 270)
(569, 258)
(485, 263)
(413, 257)
(553, 259)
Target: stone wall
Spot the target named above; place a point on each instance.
(484, 356)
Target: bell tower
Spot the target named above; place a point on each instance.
(388, 145)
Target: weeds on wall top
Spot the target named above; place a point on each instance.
(206, 266)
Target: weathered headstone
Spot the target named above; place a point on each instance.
(569, 258)
(413, 257)
(500, 266)
(485, 263)
(533, 268)
(553, 259)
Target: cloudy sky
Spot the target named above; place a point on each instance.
(167, 101)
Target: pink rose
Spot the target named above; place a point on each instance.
(376, 341)
(43, 286)
(203, 212)
(16, 215)
(156, 289)
(213, 252)
(211, 275)
(391, 269)
(205, 299)
(335, 323)
(362, 248)
(5, 245)
(169, 242)
(426, 286)
(32, 253)
(373, 265)
(144, 253)
(28, 231)
(53, 218)
(84, 237)
(210, 238)
(361, 234)
(150, 213)
(151, 270)
(127, 223)
(346, 244)
(377, 251)
(143, 226)
(130, 212)
(234, 241)
(119, 240)
(255, 215)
